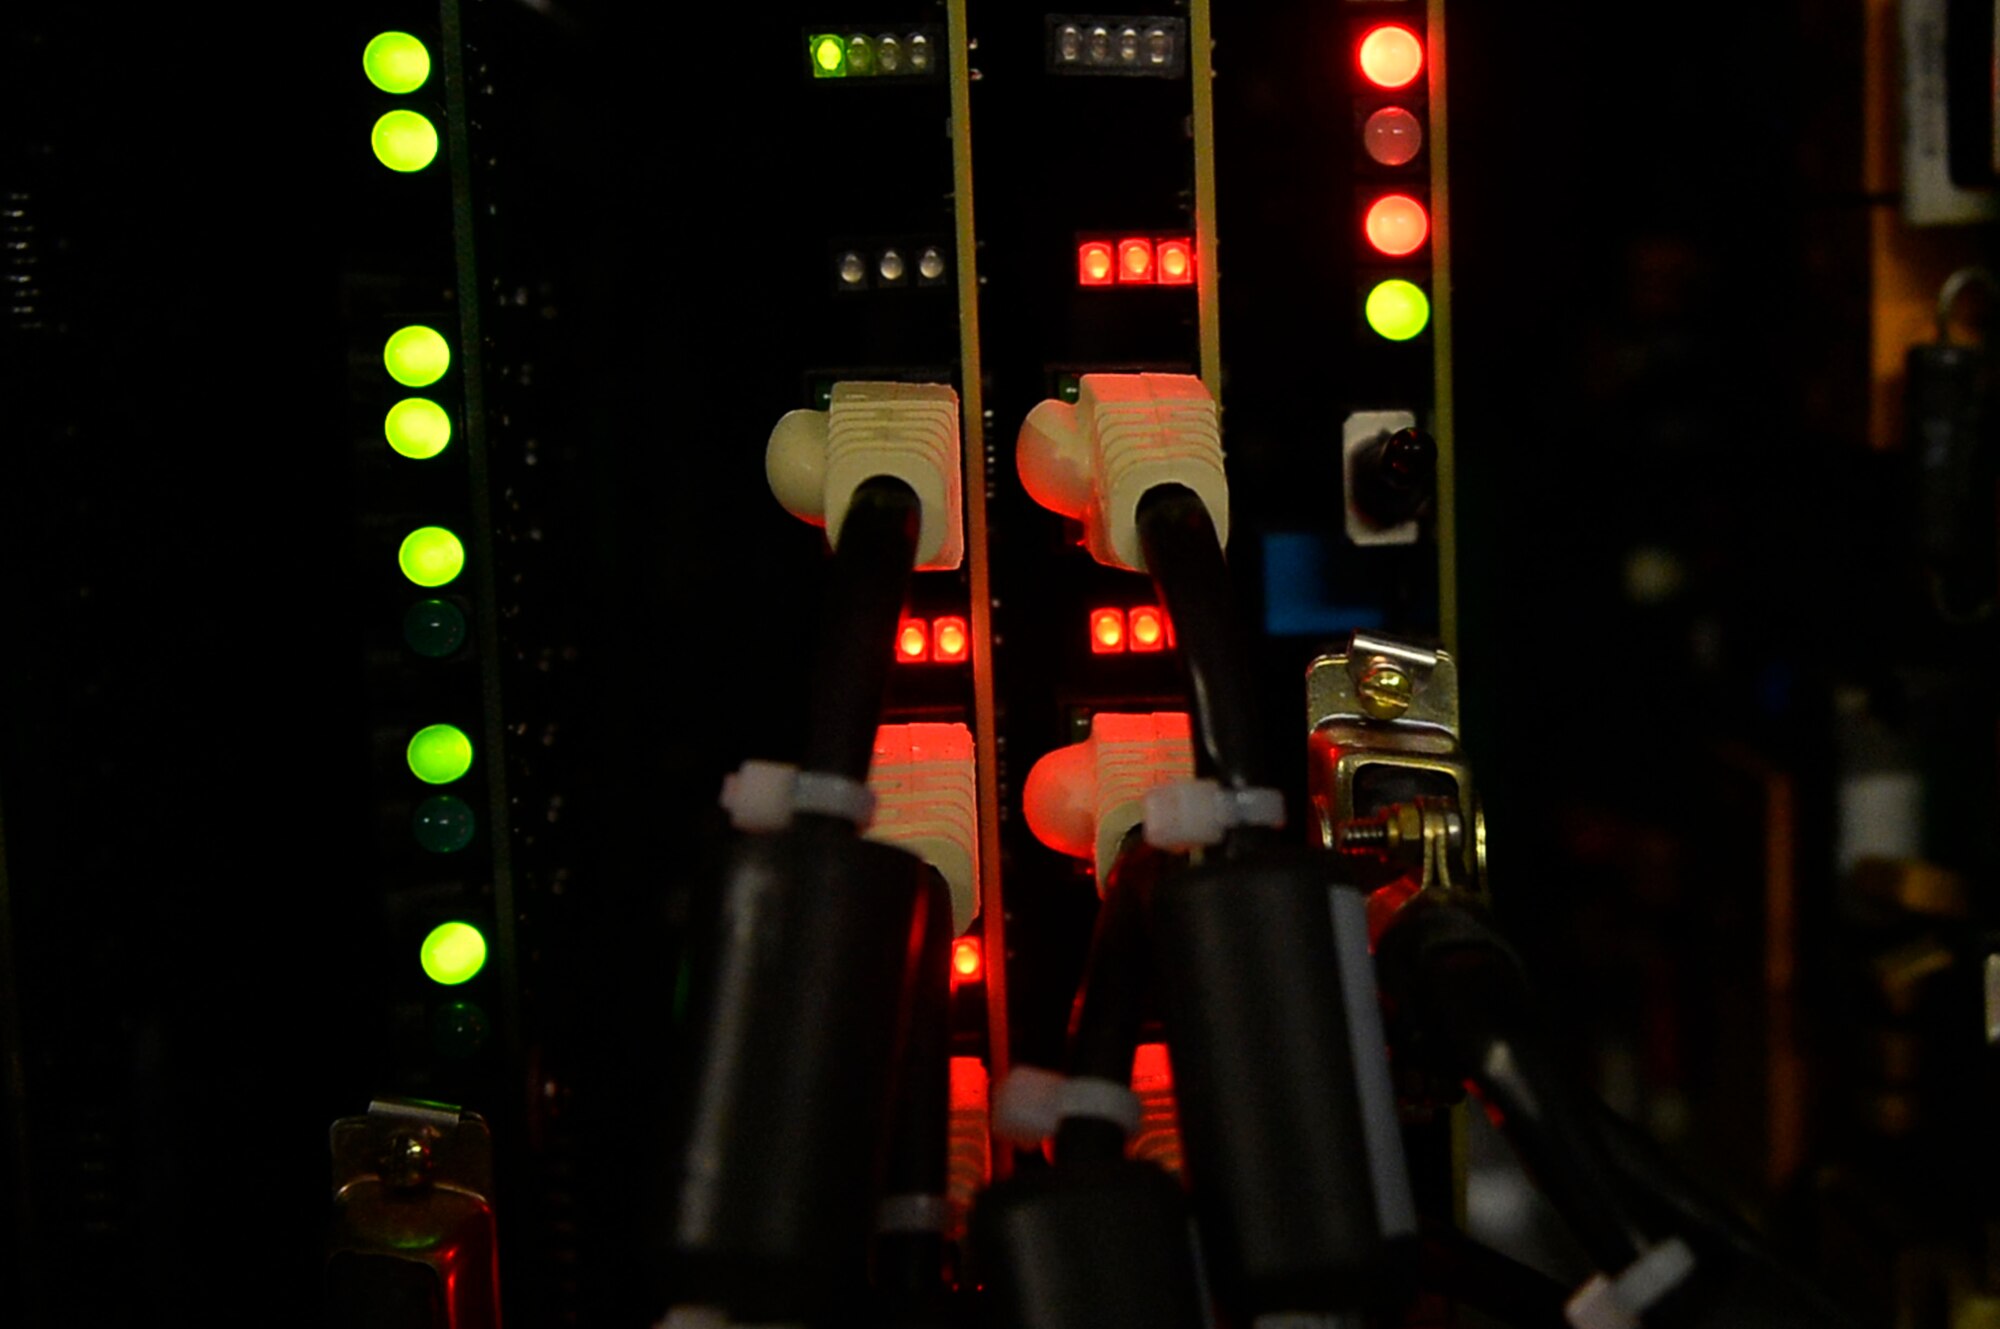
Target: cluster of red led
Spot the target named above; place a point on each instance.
(1136, 260)
(1390, 56)
(1142, 629)
(940, 641)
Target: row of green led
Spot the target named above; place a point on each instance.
(399, 64)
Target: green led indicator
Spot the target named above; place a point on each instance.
(829, 55)
(459, 1028)
(404, 141)
(1399, 310)
(440, 753)
(453, 953)
(860, 56)
(396, 62)
(431, 556)
(417, 428)
(416, 356)
(443, 824)
(434, 627)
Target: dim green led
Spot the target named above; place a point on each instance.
(404, 141)
(453, 953)
(1398, 310)
(396, 62)
(440, 753)
(829, 55)
(431, 556)
(443, 824)
(860, 56)
(434, 627)
(460, 1028)
(416, 356)
(417, 428)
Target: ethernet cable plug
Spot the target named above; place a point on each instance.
(815, 460)
(1082, 800)
(1126, 434)
(926, 801)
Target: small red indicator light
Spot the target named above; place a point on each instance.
(1093, 263)
(1107, 631)
(1149, 629)
(1176, 262)
(1135, 260)
(913, 642)
(951, 641)
(1397, 225)
(966, 961)
(1391, 56)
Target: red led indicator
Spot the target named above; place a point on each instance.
(967, 961)
(1148, 628)
(1391, 56)
(1176, 262)
(951, 641)
(1135, 260)
(1093, 263)
(1107, 631)
(1398, 225)
(913, 642)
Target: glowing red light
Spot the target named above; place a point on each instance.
(1397, 225)
(1176, 259)
(1149, 629)
(913, 641)
(1093, 263)
(951, 640)
(1391, 56)
(1135, 260)
(966, 961)
(1107, 631)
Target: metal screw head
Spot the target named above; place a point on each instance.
(407, 1163)
(1386, 689)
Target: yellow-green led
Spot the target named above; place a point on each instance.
(1398, 310)
(417, 427)
(396, 62)
(404, 141)
(453, 953)
(440, 753)
(416, 356)
(829, 55)
(431, 556)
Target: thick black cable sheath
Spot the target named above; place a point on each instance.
(1463, 988)
(910, 1265)
(1184, 556)
(864, 599)
(1115, 987)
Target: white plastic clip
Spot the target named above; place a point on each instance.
(1191, 814)
(1033, 1102)
(764, 796)
(1618, 1303)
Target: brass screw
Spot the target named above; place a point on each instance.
(1385, 689)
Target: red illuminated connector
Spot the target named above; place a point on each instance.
(1147, 629)
(1107, 631)
(1135, 260)
(1093, 264)
(951, 641)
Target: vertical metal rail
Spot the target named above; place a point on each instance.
(464, 223)
(1201, 76)
(986, 750)
(1442, 425)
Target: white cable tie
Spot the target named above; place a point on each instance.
(1032, 1103)
(833, 796)
(765, 795)
(1619, 1303)
(911, 1213)
(1193, 814)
